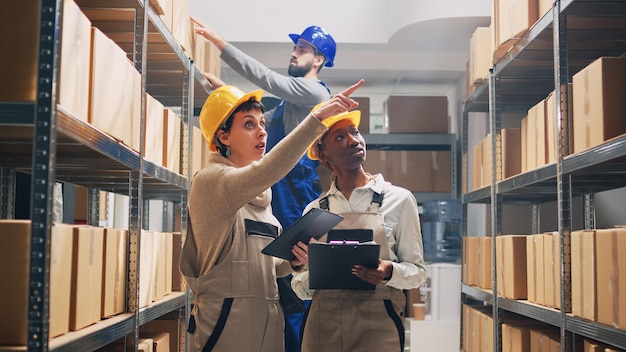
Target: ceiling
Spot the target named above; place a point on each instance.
(400, 47)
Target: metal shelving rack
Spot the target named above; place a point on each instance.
(545, 59)
(52, 145)
(421, 142)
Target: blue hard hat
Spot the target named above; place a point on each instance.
(321, 40)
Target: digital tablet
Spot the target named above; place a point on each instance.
(315, 223)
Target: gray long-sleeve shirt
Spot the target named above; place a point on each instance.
(300, 94)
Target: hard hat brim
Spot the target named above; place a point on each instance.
(353, 116)
(256, 94)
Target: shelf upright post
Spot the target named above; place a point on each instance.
(536, 226)
(166, 224)
(561, 79)
(464, 153)
(93, 200)
(589, 210)
(145, 217)
(187, 111)
(7, 192)
(136, 180)
(464, 189)
(454, 174)
(43, 175)
(496, 199)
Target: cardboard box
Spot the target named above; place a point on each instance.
(114, 272)
(413, 296)
(181, 24)
(511, 266)
(465, 327)
(514, 17)
(552, 270)
(161, 271)
(205, 54)
(583, 271)
(551, 140)
(610, 267)
(551, 125)
(485, 260)
(146, 265)
(15, 259)
(145, 345)
(115, 91)
(87, 261)
(486, 328)
(61, 248)
(471, 261)
(166, 324)
(417, 171)
(19, 69)
(536, 136)
(159, 5)
(160, 340)
(480, 55)
(75, 62)
(531, 268)
(594, 346)
(511, 152)
(156, 288)
(543, 7)
(599, 102)
(177, 278)
(154, 131)
(168, 14)
(515, 338)
(171, 140)
(168, 240)
(470, 321)
(546, 339)
(416, 114)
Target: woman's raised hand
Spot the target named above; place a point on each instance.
(338, 104)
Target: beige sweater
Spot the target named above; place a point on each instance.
(219, 190)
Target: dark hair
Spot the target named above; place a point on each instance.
(251, 104)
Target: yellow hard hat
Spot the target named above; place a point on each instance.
(354, 116)
(219, 106)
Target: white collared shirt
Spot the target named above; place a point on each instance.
(402, 228)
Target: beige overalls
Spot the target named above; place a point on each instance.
(352, 320)
(236, 304)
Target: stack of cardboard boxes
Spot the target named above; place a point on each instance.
(417, 171)
(98, 83)
(88, 275)
(528, 269)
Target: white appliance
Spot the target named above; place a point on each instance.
(443, 292)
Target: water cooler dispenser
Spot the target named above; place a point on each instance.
(441, 231)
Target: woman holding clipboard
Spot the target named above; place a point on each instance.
(362, 320)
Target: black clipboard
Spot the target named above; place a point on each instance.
(360, 235)
(330, 265)
(315, 223)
